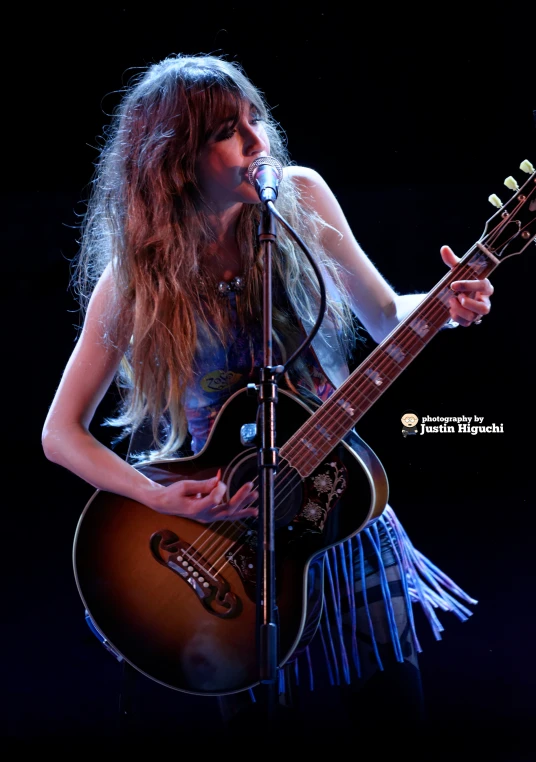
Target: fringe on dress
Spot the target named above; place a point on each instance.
(384, 549)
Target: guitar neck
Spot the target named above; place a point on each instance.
(310, 445)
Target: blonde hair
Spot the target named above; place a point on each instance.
(146, 218)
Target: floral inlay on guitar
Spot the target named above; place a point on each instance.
(321, 492)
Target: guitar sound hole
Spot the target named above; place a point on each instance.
(288, 490)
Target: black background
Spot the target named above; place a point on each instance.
(414, 115)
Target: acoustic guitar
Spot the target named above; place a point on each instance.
(177, 599)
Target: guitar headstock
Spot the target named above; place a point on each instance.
(513, 227)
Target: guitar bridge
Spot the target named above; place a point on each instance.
(210, 587)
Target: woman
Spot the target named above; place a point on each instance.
(170, 279)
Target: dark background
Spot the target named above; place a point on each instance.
(414, 116)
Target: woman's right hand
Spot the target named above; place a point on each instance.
(203, 500)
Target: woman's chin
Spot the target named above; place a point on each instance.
(248, 195)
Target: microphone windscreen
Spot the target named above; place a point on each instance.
(264, 161)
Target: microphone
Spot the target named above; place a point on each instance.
(265, 173)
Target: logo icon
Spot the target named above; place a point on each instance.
(409, 422)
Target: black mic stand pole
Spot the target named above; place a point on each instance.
(267, 464)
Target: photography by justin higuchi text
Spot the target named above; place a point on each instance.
(447, 424)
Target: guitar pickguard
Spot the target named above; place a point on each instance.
(320, 493)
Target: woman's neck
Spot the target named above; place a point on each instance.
(223, 221)
(222, 256)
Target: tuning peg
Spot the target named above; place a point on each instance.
(495, 200)
(511, 183)
(527, 167)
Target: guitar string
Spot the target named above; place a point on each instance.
(428, 312)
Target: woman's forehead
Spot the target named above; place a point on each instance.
(228, 112)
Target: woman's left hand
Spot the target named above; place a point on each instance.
(472, 300)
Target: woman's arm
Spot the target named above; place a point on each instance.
(67, 440)
(373, 300)
(87, 376)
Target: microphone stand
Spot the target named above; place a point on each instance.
(267, 464)
(267, 452)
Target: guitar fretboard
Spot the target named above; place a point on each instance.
(318, 436)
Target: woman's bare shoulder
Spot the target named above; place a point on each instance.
(306, 176)
(107, 314)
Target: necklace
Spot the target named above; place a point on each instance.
(236, 285)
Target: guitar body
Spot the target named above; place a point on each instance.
(177, 599)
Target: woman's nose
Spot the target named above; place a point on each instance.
(255, 141)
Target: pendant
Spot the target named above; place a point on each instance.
(236, 284)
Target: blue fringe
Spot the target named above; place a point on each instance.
(365, 599)
(281, 681)
(398, 552)
(376, 544)
(328, 639)
(350, 592)
(422, 582)
(336, 601)
(310, 665)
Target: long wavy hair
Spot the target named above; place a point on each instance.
(146, 219)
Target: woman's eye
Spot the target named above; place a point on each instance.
(226, 135)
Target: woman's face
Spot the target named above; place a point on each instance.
(223, 162)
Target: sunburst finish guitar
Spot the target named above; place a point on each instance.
(177, 599)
